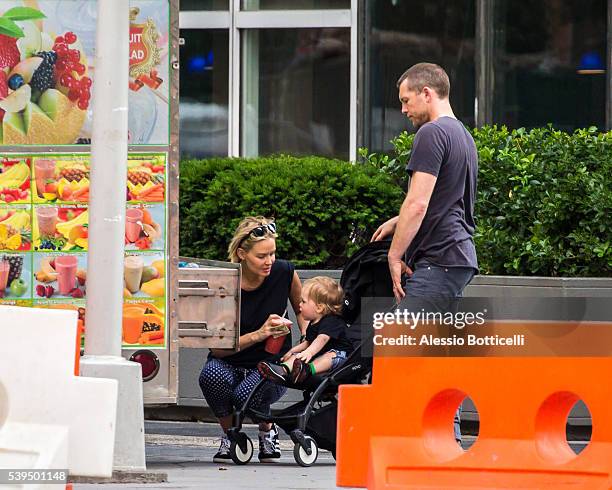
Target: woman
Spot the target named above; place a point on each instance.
(266, 284)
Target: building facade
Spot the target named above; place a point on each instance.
(318, 76)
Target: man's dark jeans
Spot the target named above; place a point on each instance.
(432, 281)
(436, 288)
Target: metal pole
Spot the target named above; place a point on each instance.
(107, 233)
(353, 102)
(108, 181)
(608, 121)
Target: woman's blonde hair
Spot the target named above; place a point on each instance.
(243, 237)
(323, 290)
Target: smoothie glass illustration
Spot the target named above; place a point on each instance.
(132, 325)
(44, 170)
(133, 224)
(66, 267)
(132, 272)
(5, 268)
(47, 219)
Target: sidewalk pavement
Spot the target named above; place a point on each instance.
(184, 451)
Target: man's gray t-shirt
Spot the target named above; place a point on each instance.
(444, 148)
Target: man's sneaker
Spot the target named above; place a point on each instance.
(223, 454)
(300, 372)
(272, 372)
(269, 447)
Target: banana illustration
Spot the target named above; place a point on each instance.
(20, 221)
(64, 228)
(15, 176)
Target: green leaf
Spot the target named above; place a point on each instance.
(9, 28)
(23, 13)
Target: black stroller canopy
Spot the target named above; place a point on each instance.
(365, 275)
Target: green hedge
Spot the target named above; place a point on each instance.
(544, 202)
(325, 209)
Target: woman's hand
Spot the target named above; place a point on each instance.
(269, 327)
(385, 230)
(304, 356)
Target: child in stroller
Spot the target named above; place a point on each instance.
(311, 423)
(325, 346)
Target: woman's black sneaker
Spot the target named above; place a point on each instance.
(269, 447)
(223, 454)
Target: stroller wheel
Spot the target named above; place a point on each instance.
(302, 457)
(238, 455)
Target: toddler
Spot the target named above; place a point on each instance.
(326, 344)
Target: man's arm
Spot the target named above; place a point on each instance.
(411, 216)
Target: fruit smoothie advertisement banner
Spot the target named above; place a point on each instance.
(60, 228)
(47, 72)
(60, 275)
(44, 220)
(144, 323)
(15, 279)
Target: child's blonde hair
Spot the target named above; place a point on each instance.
(325, 291)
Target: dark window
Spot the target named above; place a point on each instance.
(204, 4)
(549, 63)
(203, 93)
(295, 4)
(296, 85)
(400, 34)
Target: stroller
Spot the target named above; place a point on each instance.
(311, 423)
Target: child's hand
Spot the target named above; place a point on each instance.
(304, 356)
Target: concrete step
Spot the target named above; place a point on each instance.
(204, 434)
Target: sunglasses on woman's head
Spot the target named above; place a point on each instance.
(260, 231)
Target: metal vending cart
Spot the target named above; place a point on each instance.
(205, 315)
(46, 79)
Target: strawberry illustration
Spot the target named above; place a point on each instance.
(3, 91)
(3, 85)
(9, 53)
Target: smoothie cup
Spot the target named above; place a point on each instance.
(44, 170)
(133, 218)
(47, 219)
(5, 268)
(66, 267)
(275, 343)
(132, 272)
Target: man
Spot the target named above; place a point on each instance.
(435, 226)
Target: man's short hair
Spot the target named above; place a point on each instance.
(426, 75)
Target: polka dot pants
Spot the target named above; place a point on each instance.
(226, 387)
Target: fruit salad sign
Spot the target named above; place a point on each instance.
(44, 220)
(47, 72)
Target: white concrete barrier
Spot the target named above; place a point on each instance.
(51, 417)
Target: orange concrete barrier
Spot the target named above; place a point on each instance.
(398, 432)
(77, 354)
